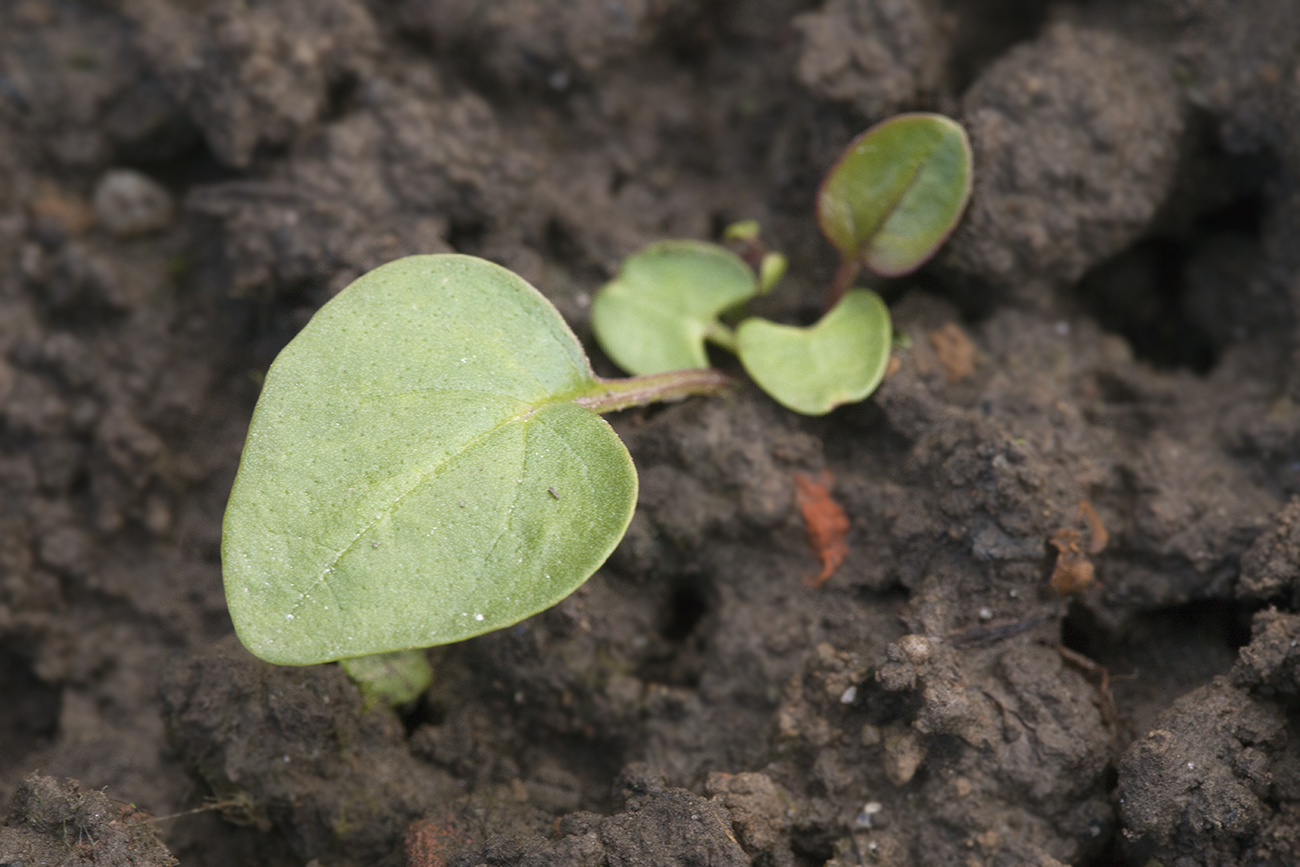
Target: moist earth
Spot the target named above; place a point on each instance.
(1065, 630)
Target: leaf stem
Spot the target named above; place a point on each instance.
(843, 281)
(722, 335)
(611, 395)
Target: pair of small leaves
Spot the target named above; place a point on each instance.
(420, 468)
(888, 203)
(668, 299)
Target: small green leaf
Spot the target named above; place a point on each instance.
(745, 230)
(654, 316)
(416, 470)
(812, 370)
(770, 271)
(897, 192)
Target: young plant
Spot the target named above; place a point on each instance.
(889, 203)
(426, 463)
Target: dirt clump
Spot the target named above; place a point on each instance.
(294, 748)
(1076, 139)
(1198, 783)
(252, 77)
(1270, 567)
(877, 57)
(52, 823)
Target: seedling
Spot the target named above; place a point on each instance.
(426, 463)
(888, 204)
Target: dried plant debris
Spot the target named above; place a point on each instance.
(824, 521)
(1073, 572)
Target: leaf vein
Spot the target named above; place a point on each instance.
(420, 480)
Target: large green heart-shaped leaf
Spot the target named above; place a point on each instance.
(655, 315)
(897, 192)
(841, 359)
(417, 472)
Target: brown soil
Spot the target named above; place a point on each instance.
(1114, 323)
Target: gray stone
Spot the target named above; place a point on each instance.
(128, 203)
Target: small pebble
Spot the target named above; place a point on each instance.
(903, 755)
(129, 204)
(869, 813)
(915, 647)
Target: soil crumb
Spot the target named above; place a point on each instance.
(53, 824)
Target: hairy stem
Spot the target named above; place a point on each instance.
(611, 395)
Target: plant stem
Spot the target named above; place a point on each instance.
(394, 678)
(611, 395)
(844, 278)
(723, 336)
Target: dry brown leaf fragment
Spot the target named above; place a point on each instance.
(825, 522)
(1098, 538)
(1073, 572)
(955, 351)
